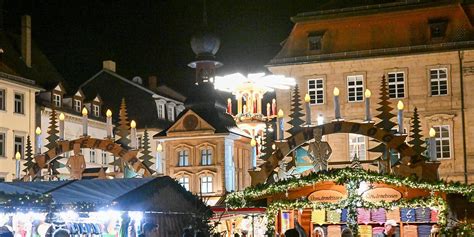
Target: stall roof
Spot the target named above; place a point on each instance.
(11, 189)
(40, 187)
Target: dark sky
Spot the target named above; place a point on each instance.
(147, 37)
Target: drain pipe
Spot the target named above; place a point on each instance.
(463, 123)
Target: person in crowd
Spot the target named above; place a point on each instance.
(389, 230)
(347, 233)
(292, 233)
(149, 230)
(318, 232)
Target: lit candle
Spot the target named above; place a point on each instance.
(133, 134)
(432, 144)
(245, 109)
(368, 117)
(17, 160)
(280, 124)
(307, 99)
(229, 106)
(61, 126)
(253, 143)
(400, 117)
(274, 107)
(108, 114)
(268, 110)
(159, 167)
(84, 121)
(337, 109)
(38, 140)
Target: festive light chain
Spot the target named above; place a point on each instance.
(340, 176)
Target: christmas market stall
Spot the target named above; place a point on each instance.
(115, 207)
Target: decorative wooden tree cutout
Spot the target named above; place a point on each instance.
(296, 114)
(146, 157)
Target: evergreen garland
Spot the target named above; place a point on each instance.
(416, 141)
(296, 114)
(146, 157)
(29, 164)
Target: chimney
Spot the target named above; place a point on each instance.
(26, 39)
(152, 82)
(109, 65)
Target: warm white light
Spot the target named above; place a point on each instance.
(84, 111)
(159, 148)
(229, 100)
(253, 142)
(69, 215)
(38, 131)
(307, 98)
(400, 105)
(62, 117)
(274, 146)
(133, 124)
(231, 82)
(368, 94)
(320, 119)
(108, 113)
(280, 113)
(336, 91)
(137, 216)
(432, 132)
(274, 100)
(17, 155)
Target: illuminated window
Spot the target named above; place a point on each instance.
(355, 88)
(19, 103)
(96, 110)
(92, 156)
(439, 81)
(206, 184)
(443, 142)
(77, 105)
(161, 111)
(183, 158)
(357, 144)
(206, 156)
(57, 100)
(19, 145)
(170, 112)
(316, 91)
(396, 84)
(184, 181)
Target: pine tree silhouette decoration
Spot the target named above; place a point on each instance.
(52, 138)
(296, 114)
(385, 123)
(416, 137)
(146, 157)
(29, 160)
(124, 125)
(268, 142)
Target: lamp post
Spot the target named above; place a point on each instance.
(38, 140)
(368, 117)
(159, 151)
(307, 99)
(108, 114)
(61, 126)
(84, 121)
(280, 124)
(17, 160)
(337, 109)
(400, 117)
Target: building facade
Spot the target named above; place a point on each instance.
(423, 49)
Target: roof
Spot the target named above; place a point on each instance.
(112, 88)
(42, 72)
(375, 30)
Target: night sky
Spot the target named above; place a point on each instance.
(151, 37)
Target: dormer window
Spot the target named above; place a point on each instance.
(438, 28)
(57, 100)
(170, 112)
(77, 105)
(315, 40)
(96, 110)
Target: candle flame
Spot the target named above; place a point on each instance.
(17, 156)
(368, 93)
(133, 124)
(253, 142)
(336, 91)
(400, 105)
(280, 113)
(159, 148)
(307, 98)
(432, 132)
(84, 111)
(229, 100)
(61, 116)
(108, 113)
(38, 131)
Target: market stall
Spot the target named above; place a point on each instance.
(327, 203)
(115, 207)
(248, 221)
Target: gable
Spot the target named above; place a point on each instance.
(190, 124)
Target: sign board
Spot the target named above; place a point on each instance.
(381, 194)
(328, 196)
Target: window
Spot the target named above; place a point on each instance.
(77, 105)
(2, 144)
(170, 113)
(92, 156)
(18, 145)
(206, 156)
(183, 158)
(104, 158)
(184, 181)
(439, 81)
(206, 184)
(96, 110)
(161, 111)
(438, 28)
(355, 88)
(57, 100)
(2, 99)
(314, 42)
(396, 84)
(316, 91)
(443, 146)
(18, 103)
(357, 145)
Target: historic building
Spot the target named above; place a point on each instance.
(423, 49)
(204, 149)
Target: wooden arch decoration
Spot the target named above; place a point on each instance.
(129, 156)
(410, 159)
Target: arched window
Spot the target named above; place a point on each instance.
(183, 158)
(206, 155)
